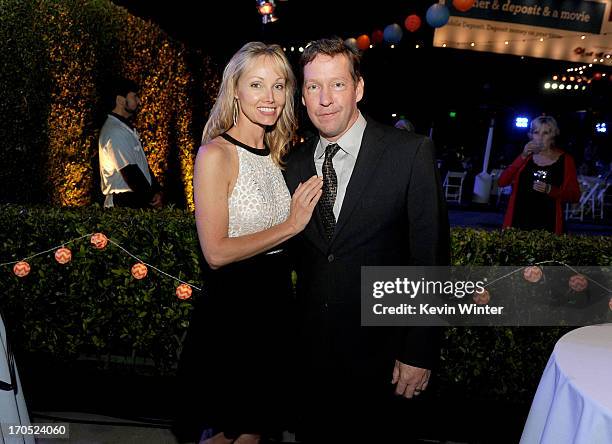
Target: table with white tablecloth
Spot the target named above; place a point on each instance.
(573, 403)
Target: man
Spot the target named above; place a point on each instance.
(126, 179)
(382, 204)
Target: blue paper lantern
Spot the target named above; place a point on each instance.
(393, 33)
(437, 15)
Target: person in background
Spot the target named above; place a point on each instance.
(126, 179)
(543, 177)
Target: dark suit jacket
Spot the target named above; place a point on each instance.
(393, 213)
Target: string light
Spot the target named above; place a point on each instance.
(98, 241)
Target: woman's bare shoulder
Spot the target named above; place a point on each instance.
(217, 149)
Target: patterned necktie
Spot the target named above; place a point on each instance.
(330, 189)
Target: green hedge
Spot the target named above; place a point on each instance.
(57, 59)
(92, 306)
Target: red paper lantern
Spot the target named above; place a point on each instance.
(412, 22)
(139, 270)
(597, 76)
(578, 283)
(21, 269)
(532, 274)
(363, 42)
(63, 255)
(378, 36)
(183, 291)
(463, 5)
(99, 241)
(482, 297)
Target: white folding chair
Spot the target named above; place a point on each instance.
(589, 187)
(453, 186)
(603, 199)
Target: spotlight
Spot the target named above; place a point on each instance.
(562, 86)
(554, 86)
(547, 85)
(521, 122)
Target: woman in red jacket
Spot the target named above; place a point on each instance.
(542, 178)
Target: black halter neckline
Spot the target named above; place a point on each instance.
(260, 152)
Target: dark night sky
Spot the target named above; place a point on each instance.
(421, 84)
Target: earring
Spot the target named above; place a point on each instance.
(235, 111)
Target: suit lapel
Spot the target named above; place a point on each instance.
(367, 160)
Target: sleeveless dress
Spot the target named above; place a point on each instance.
(236, 359)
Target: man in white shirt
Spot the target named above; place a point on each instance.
(126, 179)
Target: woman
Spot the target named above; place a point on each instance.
(236, 357)
(542, 177)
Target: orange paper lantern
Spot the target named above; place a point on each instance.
(412, 22)
(463, 5)
(482, 297)
(363, 42)
(139, 270)
(63, 255)
(578, 283)
(99, 241)
(183, 291)
(21, 269)
(532, 274)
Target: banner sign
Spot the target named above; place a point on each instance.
(573, 30)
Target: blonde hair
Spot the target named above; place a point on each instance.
(545, 120)
(221, 118)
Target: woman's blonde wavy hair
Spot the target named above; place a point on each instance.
(221, 118)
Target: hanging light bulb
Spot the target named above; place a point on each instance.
(266, 9)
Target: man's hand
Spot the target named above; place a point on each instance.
(156, 201)
(410, 380)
